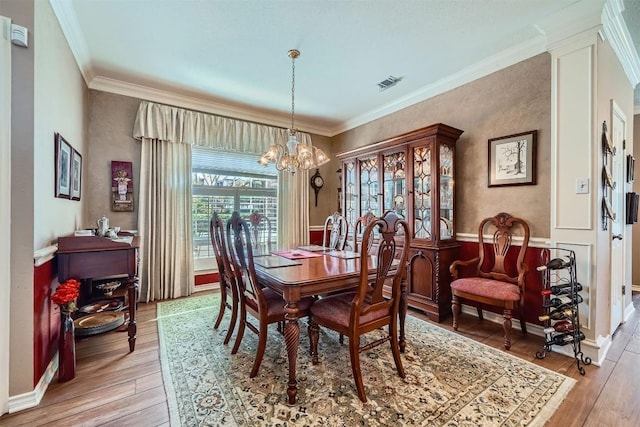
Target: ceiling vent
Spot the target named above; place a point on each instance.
(388, 82)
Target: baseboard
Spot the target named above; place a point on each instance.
(595, 350)
(32, 399)
(207, 287)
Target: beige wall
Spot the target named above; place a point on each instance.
(612, 84)
(635, 251)
(513, 100)
(22, 213)
(111, 120)
(48, 96)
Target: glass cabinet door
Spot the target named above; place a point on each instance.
(350, 192)
(446, 192)
(394, 183)
(369, 186)
(422, 192)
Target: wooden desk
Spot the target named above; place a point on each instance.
(316, 276)
(89, 257)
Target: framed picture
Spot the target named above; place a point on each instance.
(63, 167)
(512, 159)
(76, 175)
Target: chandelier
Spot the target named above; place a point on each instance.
(294, 154)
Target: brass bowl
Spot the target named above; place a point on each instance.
(108, 288)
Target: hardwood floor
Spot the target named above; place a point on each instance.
(113, 387)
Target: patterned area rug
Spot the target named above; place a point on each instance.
(451, 380)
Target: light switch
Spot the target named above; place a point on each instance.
(582, 186)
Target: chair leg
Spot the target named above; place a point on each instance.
(455, 306)
(234, 317)
(506, 324)
(523, 321)
(479, 308)
(395, 348)
(341, 339)
(223, 305)
(314, 334)
(354, 352)
(262, 344)
(243, 325)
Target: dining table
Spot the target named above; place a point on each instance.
(313, 275)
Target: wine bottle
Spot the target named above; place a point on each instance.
(563, 326)
(555, 264)
(557, 289)
(557, 314)
(564, 301)
(566, 338)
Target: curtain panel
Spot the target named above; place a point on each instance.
(164, 217)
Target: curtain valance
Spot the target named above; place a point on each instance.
(178, 125)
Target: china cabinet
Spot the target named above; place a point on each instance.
(412, 174)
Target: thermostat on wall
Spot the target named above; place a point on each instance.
(19, 35)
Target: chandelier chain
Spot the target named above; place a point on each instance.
(293, 91)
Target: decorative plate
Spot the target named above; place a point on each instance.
(103, 305)
(98, 323)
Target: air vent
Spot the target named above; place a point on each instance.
(388, 82)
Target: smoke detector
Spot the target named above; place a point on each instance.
(388, 82)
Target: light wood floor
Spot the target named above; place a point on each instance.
(115, 388)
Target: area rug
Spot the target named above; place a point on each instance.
(451, 380)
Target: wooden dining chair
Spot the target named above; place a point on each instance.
(260, 232)
(337, 228)
(262, 303)
(358, 230)
(228, 286)
(353, 314)
(496, 278)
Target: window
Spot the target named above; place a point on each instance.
(225, 182)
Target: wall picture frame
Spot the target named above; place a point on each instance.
(76, 175)
(512, 159)
(62, 167)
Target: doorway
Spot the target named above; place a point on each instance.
(617, 234)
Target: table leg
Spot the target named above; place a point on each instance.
(132, 288)
(292, 341)
(403, 315)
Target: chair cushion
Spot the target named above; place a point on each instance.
(275, 303)
(489, 288)
(337, 308)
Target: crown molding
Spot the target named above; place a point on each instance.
(615, 29)
(480, 69)
(199, 104)
(70, 26)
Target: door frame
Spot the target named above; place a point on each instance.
(617, 246)
(5, 208)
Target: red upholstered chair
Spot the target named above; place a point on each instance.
(263, 304)
(356, 313)
(228, 286)
(494, 282)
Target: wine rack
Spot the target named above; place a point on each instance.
(560, 300)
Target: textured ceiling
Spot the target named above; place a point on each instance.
(234, 53)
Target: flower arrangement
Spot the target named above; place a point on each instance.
(66, 294)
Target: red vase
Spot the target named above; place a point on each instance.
(66, 348)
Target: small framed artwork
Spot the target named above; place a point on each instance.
(76, 175)
(63, 167)
(121, 186)
(512, 159)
